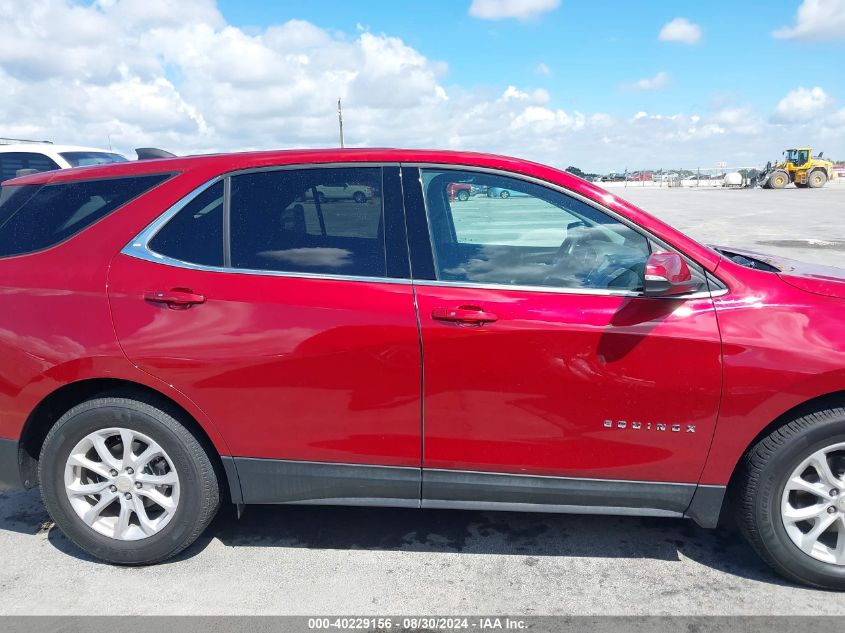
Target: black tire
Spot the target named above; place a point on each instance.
(764, 473)
(359, 197)
(779, 180)
(817, 179)
(463, 195)
(199, 489)
(505, 194)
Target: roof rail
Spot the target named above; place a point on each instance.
(12, 141)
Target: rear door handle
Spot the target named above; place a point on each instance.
(468, 315)
(176, 299)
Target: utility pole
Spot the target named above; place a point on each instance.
(340, 120)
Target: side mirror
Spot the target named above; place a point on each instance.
(667, 275)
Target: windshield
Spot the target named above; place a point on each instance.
(83, 159)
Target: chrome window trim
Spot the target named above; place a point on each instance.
(139, 246)
(701, 294)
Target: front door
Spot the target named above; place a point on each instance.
(288, 318)
(542, 357)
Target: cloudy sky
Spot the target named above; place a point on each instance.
(602, 85)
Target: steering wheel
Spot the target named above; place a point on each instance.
(577, 257)
(573, 239)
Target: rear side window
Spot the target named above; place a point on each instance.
(195, 234)
(11, 162)
(35, 217)
(324, 221)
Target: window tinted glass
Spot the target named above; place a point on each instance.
(11, 162)
(493, 229)
(82, 159)
(325, 221)
(34, 217)
(195, 234)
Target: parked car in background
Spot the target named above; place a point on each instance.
(15, 157)
(342, 191)
(499, 192)
(460, 191)
(182, 331)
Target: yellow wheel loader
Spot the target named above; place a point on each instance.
(799, 167)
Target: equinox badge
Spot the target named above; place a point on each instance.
(648, 426)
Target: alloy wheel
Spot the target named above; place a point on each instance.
(813, 505)
(122, 484)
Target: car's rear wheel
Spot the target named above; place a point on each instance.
(505, 194)
(791, 499)
(359, 197)
(126, 481)
(463, 195)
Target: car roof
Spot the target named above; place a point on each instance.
(207, 167)
(50, 148)
(222, 163)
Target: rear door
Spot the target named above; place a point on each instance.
(290, 321)
(548, 377)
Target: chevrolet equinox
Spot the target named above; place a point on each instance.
(181, 332)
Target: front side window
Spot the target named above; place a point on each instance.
(494, 229)
(35, 217)
(323, 220)
(12, 162)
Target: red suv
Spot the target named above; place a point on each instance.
(178, 332)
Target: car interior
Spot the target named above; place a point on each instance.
(595, 251)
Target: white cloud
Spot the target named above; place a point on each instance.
(188, 81)
(680, 30)
(519, 9)
(543, 69)
(658, 82)
(802, 103)
(817, 20)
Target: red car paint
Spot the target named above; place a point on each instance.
(284, 368)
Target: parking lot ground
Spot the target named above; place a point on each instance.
(333, 560)
(807, 224)
(312, 560)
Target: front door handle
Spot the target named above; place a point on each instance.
(176, 299)
(468, 315)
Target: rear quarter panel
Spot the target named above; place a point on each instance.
(55, 323)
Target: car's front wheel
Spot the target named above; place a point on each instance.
(791, 499)
(126, 481)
